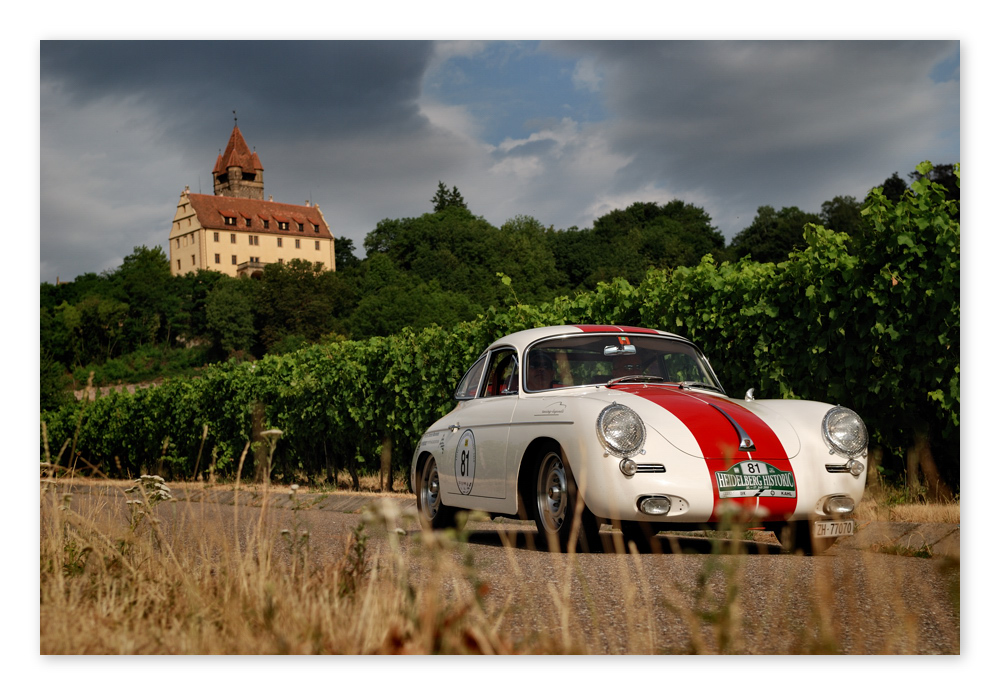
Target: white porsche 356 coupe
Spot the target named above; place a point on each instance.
(575, 425)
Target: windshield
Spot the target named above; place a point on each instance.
(597, 359)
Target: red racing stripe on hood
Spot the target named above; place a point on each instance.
(718, 440)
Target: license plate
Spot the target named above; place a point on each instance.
(827, 529)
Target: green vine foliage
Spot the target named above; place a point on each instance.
(870, 322)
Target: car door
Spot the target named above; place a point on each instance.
(475, 451)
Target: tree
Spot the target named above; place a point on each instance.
(230, 316)
(842, 214)
(773, 235)
(627, 243)
(144, 281)
(444, 199)
(344, 254)
(192, 290)
(893, 188)
(301, 299)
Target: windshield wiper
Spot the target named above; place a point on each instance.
(700, 385)
(634, 377)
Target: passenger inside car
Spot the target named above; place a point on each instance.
(541, 372)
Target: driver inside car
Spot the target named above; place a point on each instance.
(541, 372)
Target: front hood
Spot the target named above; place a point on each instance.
(714, 424)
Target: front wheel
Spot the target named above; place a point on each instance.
(433, 513)
(558, 507)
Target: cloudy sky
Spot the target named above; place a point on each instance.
(564, 131)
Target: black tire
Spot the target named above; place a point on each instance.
(796, 537)
(555, 501)
(643, 534)
(432, 512)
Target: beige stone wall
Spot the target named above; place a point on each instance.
(186, 241)
(224, 249)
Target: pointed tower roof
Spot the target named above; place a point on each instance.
(237, 154)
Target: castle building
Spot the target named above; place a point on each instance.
(237, 232)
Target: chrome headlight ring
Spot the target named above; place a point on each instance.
(621, 430)
(844, 432)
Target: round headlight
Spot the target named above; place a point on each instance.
(844, 431)
(620, 430)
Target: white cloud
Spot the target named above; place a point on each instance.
(586, 75)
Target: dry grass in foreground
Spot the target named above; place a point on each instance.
(114, 581)
(889, 503)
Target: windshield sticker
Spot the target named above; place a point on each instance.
(465, 462)
(754, 479)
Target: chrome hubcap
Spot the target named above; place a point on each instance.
(552, 492)
(430, 489)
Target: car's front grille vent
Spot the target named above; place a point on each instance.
(651, 468)
(837, 468)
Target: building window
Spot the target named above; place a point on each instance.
(267, 224)
(178, 264)
(281, 261)
(316, 228)
(283, 226)
(296, 243)
(279, 242)
(317, 244)
(301, 227)
(254, 240)
(255, 259)
(218, 260)
(177, 243)
(232, 238)
(247, 219)
(234, 260)
(215, 236)
(192, 259)
(231, 221)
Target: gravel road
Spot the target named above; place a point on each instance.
(747, 598)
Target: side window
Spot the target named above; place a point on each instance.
(501, 377)
(469, 384)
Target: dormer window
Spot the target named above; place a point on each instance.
(301, 227)
(247, 221)
(267, 224)
(316, 228)
(283, 226)
(231, 221)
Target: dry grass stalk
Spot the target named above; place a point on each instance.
(114, 582)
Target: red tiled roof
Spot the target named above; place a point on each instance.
(212, 208)
(237, 154)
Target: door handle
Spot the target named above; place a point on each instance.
(453, 428)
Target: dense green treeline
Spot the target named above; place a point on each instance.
(139, 322)
(869, 320)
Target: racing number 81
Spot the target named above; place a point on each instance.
(464, 464)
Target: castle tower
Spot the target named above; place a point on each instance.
(238, 172)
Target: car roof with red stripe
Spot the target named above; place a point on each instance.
(522, 339)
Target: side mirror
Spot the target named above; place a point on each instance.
(749, 396)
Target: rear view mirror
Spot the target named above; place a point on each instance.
(613, 350)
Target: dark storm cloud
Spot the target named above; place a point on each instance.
(299, 87)
(781, 123)
(125, 125)
(562, 131)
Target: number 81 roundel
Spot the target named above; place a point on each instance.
(465, 462)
